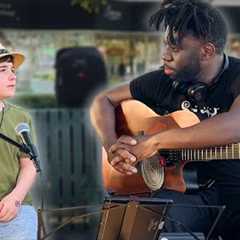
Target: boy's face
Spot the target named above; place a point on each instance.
(7, 80)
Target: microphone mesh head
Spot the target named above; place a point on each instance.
(22, 127)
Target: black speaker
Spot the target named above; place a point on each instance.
(181, 236)
(80, 72)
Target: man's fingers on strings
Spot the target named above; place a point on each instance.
(115, 160)
(127, 140)
(127, 168)
(117, 146)
(130, 158)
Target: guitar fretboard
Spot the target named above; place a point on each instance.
(228, 152)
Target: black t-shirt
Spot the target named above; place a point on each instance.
(155, 90)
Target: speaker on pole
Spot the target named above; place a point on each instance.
(80, 72)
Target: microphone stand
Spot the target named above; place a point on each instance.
(23, 148)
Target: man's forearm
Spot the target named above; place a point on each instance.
(103, 119)
(220, 130)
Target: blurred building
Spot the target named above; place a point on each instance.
(119, 30)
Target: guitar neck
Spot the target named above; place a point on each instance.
(228, 152)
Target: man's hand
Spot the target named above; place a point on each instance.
(120, 157)
(144, 149)
(9, 207)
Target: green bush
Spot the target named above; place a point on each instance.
(35, 101)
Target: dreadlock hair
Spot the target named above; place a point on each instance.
(191, 17)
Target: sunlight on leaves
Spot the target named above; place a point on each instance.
(91, 6)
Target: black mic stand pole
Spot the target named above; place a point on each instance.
(23, 148)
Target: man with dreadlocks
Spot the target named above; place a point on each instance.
(193, 58)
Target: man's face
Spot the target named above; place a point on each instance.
(182, 62)
(7, 80)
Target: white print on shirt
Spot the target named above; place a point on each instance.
(204, 110)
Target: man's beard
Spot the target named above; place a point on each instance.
(189, 73)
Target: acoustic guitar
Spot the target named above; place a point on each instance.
(133, 117)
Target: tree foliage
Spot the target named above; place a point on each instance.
(91, 6)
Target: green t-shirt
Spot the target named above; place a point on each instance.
(10, 117)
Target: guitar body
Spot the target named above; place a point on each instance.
(132, 117)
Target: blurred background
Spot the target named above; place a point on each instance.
(73, 49)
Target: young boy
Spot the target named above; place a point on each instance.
(18, 219)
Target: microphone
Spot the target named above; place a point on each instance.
(23, 130)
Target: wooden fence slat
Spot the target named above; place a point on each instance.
(40, 123)
(69, 156)
(53, 157)
(78, 154)
(66, 156)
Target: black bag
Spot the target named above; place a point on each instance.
(80, 72)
